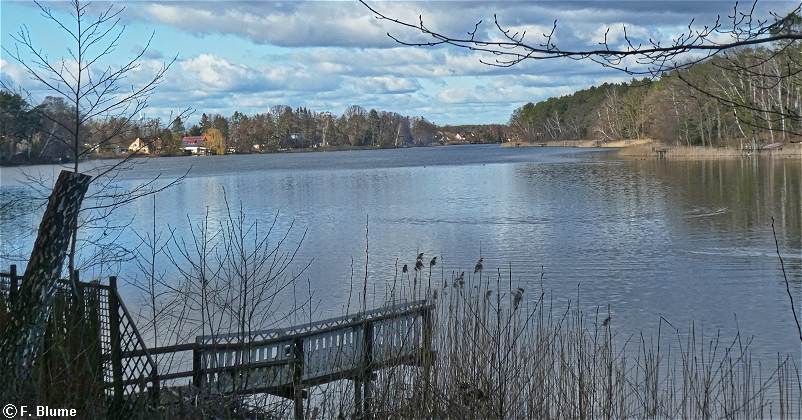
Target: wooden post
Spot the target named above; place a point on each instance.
(197, 375)
(21, 341)
(77, 296)
(367, 361)
(426, 356)
(94, 317)
(155, 387)
(114, 333)
(297, 363)
(13, 284)
(358, 397)
(358, 377)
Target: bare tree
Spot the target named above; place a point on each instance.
(92, 90)
(761, 53)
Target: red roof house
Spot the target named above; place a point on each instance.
(193, 140)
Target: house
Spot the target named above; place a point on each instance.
(195, 145)
(139, 146)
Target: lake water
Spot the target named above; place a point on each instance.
(685, 240)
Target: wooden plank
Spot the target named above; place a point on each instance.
(114, 333)
(13, 284)
(297, 368)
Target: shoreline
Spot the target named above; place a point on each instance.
(626, 149)
(646, 148)
(287, 151)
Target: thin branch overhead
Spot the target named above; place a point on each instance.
(740, 28)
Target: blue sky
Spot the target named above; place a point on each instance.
(249, 56)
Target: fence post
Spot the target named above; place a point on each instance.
(114, 333)
(297, 361)
(156, 387)
(14, 284)
(367, 371)
(358, 375)
(426, 354)
(78, 294)
(197, 376)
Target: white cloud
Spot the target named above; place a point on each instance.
(13, 73)
(328, 55)
(318, 23)
(386, 84)
(216, 73)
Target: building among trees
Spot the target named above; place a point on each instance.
(140, 146)
(195, 145)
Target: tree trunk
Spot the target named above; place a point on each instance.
(22, 338)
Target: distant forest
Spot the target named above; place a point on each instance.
(748, 96)
(28, 137)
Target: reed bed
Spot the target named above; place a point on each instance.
(790, 150)
(504, 352)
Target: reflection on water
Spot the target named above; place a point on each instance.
(687, 240)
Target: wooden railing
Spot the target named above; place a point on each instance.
(130, 375)
(286, 361)
(282, 361)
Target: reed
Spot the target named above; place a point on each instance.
(790, 150)
(503, 352)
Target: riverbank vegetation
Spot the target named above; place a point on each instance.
(32, 134)
(742, 99)
(506, 352)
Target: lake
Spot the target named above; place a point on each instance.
(683, 240)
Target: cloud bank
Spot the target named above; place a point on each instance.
(248, 56)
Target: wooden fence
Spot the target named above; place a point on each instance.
(286, 361)
(130, 379)
(282, 362)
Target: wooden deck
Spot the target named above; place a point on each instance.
(282, 362)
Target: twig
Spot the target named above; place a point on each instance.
(785, 277)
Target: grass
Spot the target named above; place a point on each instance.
(503, 352)
(645, 148)
(791, 150)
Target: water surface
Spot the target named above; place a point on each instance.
(685, 240)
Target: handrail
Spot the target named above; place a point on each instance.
(295, 353)
(305, 330)
(283, 334)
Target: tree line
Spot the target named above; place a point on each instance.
(27, 137)
(283, 127)
(740, 98)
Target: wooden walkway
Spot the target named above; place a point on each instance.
(282, 362)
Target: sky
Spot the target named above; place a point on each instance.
(326, 56)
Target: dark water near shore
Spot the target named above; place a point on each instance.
(685, 240)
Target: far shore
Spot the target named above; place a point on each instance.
(636, 149)
(647, 148)
(340, 148)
